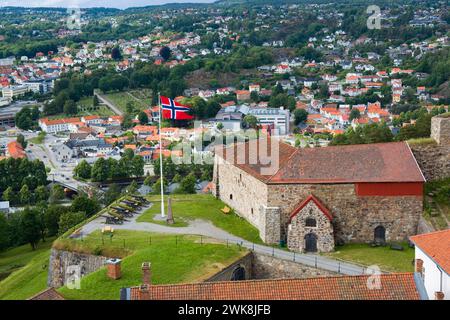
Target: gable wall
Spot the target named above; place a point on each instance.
(354, 217)
(248, 193)
(297, 229)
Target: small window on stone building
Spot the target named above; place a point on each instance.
(310, 222)
(231, 197)
(252, 210)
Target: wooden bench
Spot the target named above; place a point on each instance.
(107, 229)
(226, 210)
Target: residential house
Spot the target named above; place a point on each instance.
(432, 260)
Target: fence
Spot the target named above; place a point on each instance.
(105, 243)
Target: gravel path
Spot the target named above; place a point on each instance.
(207, 229)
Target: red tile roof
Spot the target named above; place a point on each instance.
(380, 162)
(399, 286)
(435, 245)
(48, 294)
(15, 150)
(319, 204)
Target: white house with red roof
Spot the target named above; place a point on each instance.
(432, 253)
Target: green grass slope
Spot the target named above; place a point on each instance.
(174, 260)
(205, 207)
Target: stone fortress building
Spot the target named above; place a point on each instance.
(320, 197)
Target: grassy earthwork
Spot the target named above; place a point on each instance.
(174, 259)
(205, 207)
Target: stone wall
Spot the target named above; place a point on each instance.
(323, 230)
(268, 267)
(241, 191)
(226, 274)
(440, 130)
(269, 226)
(433, 160)
(354, 217)
(60, 261)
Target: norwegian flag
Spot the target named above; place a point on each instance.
(174, 110)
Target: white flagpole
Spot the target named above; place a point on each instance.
(161, 158)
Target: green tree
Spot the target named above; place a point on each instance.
(250, 121)
(83, 170)
(132, 188)
(187, 185)
(21, 140)
(25, 195)
(30, 227)
(165, 53)
(354, 114)
(300, 115)
(4, 230)
(56, 193)
(177, 178)
(41, 193)
(69, 220)
(82, 203)
(10, 195)
(138, 166)
(51, 218)
(143, 118)
(156, 188)
(95, 101)
(100, 170)
(116, 54)
(112, 194)
(70, 107)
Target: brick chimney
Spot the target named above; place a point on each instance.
(114, 268)
(146, 273)
(439, 295)
(419, 266)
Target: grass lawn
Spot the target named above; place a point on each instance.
(141, 99)
(29, 271)
(384, 257)
(206, 207)
(86, 110)
(39, 139)
(173, 261)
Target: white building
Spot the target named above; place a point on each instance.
(4, 207)
(60, 125)
(432, 254)
(15, 91)
(279, 118)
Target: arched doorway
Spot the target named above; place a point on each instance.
(380, 234)
(311, 242)
(238, 274)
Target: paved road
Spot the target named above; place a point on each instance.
(207, 229)
(60, 172)
(110, 105)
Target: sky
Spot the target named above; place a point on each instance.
(121, 4)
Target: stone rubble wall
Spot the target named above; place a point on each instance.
(354, 217)
(297, 230)
(61, 260)
(227, 273)
(440, 130)
(268, 267)
(242, 192)
(433, 160)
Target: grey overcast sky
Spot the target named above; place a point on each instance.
(122, 4)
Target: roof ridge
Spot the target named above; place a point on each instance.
(285, 162)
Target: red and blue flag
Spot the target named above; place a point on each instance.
(174, 110)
